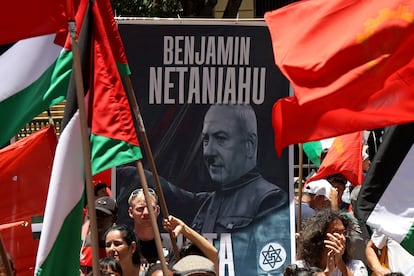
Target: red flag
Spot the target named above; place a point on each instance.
(350, 63)
(114, 140)
(24, 19)
(25, 168)
(344, 157)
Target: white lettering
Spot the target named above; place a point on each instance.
(178, 50)
(258, 96)
(189, 50)
(207, 85)
(211, 51)
(194, 86)
(168, 85)
(230, 86)
(208, 88)
(226, 255)
(207, 50)
(168, 49)
(245, 50)
(181, 88)
(200, 56)
(224, 52)
(155, 84)
(244, 85)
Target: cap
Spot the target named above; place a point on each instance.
(194, 264)
(318, 187)
(106, 205)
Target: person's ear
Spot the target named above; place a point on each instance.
(130, 212)
(157, 210)
(133, 247)
(251, 145)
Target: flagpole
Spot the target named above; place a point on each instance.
(85, 148)
(300, 188)
(154, 224)
(4, 258)
(147, 148)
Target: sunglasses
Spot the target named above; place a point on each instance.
(140, 191)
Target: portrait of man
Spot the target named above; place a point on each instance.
(206, 93)
(245, 216)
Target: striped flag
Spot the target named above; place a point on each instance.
(314, 149)
(385, 201)
(34, 74)
(37, 223)
(113, 142)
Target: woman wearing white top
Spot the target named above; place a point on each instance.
(323, 243)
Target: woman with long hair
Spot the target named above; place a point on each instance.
(324, 242)
(121, 244)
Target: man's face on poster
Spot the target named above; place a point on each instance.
(224, 145)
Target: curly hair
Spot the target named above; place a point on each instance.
(310, 243)
(294, 270)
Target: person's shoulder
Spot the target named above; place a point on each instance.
(264, 185)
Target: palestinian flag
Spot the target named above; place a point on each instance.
(113, 142)
(314, 149)
(34, 75)
(37, 224)
(385, 201)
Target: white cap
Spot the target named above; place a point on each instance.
(318, 187)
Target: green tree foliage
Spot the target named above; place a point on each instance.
(147, 8)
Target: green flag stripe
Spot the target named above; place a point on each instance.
(63, 258)
(37, 219)
(107, 153)
(47, 91)
(123, 69)
(313, 151)
(408, 241)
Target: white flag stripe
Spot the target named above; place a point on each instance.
(25, 62)
(66, 186)
(394, 213)
(327, 143)
(37, 227)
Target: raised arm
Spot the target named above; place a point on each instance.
(373, 261)
(178, 227)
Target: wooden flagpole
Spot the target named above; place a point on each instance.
(147, 148)
(154, 224)
(77, 70)
(300, 188)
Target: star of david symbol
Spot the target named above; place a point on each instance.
(271, 256)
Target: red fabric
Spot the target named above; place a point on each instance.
(24, 19)
(345, 157)
(110, 26)
(25, 168)
(109, 93)
(86, 255)
(350, 64)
